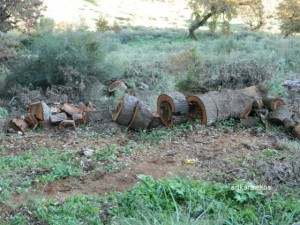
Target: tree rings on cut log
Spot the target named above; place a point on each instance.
(172, 108)
(125, 109)
(141, 118)
(296, 131)
(117, 85)
(203, 107)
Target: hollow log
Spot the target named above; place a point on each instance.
(31, 121)
(67, 125)
(272, 103)
(141, 118)
(41, 110)
(279, 115)
(296, 131)
(125, 109)
(155, 122)
(172, 108)
(57, 118)
(20, 125)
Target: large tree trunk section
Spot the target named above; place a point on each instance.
(155, 122)
(296, 131)
(172, 108)
(273, 103)
(279, 115)
(203, 107)
(124, 112)
(41, 110)
(56, 119)
(141, 118)
(240, 104)
(31, 121)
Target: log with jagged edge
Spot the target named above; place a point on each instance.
(272, 103)
(125, 109)
(31, 120)
(172, 108)
(41, 110)
(141, 118)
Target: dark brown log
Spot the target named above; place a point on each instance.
(155, 122)
(80, 118)
(41, 110)
(296, 131)
(279, 115)
(20, 125)
(57, 118)
(31, 120)
(67, 125)
(125, 109)
(141, 118)
(172, 108)
(117, 85)
(272, 103)
(70, 109)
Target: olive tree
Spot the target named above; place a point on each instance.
(213, 11)
(288, 13)
(22, 14)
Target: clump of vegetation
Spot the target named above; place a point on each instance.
(288, 13)
(103, 25)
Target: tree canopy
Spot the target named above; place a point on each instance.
(213, 11)
(22, 14)
(289, 15)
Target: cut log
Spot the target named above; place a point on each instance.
(172, 108)
(55, 109)
(273, 103)
(117, 85)
(289, 124)
(20, 125)
(80, 118)
(41, 110)
(203, 107)
(296, 131)
(255, 91)
(240, 104)
(44, 124)
(141, 118)
(31, 120)
(123, 114)
(155, 122)
(279, 115)
(67, 125)
(70, 109)
(56, 119)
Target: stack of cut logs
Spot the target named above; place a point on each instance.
(175, 108)
(65, 116)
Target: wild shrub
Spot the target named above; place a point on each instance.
(48, 54)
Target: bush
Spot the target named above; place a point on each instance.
(47, 56)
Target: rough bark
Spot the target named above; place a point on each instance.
(198, 24)
(279, 115)
(141, 118)
(57, 118)
(124, 112)
(172, 108)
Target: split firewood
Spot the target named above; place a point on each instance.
(41, 110)
(55, 109)
(70, 109)
(280, 114)
(20, 125)
(172, 108)
(67, 125)
(125, 109)
(296, 131)
(44, 124)
(272, 103)
(31, 120)
(57, 118)
(80, 118)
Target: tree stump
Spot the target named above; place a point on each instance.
(172, 108)
(141, 118)
(123, 114)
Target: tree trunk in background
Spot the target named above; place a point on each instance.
(198, 24)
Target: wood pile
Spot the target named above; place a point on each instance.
(65, 116)
(174, 108)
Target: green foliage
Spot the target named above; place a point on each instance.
(103, 25)
(288, 13)
(47, 56)
(3, 112)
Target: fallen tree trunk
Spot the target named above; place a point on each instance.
(216, 106)
(172, 108)
(272, 103)
(280, 115)
(124, 112)
(141, 118)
